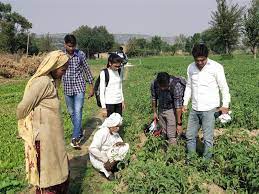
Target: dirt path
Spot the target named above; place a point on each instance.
(83, 178)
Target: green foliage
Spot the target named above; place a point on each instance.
(251, 27)
(44, 43)
(143, 47)
(157, 168)
(156, 43)
(13, 28)
(226, 25)
(94, 40)
(192, 40)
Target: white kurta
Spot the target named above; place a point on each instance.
(102, 149)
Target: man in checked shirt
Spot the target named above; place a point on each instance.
(74, 82)
(167, 101)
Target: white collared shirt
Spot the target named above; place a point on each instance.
(203, 86)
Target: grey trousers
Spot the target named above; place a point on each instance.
(168, 123)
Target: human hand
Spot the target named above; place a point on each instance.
(91, 92)
(184, 109)
(179, 129)
(156, 116)
(104, 112)
(224, 110)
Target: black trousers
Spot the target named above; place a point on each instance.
(111, 108)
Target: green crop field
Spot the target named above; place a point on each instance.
(152, 167)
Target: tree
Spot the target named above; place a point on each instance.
(13, 29)
(226, 24)
(156, 43)
(209, 37)
(180, 42)
(192, 40)
(33, 47)
(45, 43)
(188, 44)
(94, 40)
(251, 27)
(141, 43)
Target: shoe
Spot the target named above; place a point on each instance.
(75, 143)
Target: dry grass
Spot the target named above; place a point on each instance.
(18, 66)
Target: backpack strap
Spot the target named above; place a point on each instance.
(107, 77)
(79, 56)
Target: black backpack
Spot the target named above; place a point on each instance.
(97, 85)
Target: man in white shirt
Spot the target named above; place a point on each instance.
(107, 147)
(205, 79)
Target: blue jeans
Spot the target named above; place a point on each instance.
(206, 120)
(75, 108)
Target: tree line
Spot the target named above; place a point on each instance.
(231, 27)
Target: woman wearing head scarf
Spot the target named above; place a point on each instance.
(40, 126)
(107, 147)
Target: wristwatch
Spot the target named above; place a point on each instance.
(180, 124)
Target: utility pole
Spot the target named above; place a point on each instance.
(28, 40)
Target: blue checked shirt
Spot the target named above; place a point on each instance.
(166, 98)
(77, 74)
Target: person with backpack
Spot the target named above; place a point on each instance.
(205, 79)
(167, 100)
(122, 54)
(111, 94)
(124, 57)
(74, 84)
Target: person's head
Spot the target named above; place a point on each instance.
(200, 54)
(163, 80)
(121, 48)
(114, 61)
(113, 122)
(70, 43)
(59, 72)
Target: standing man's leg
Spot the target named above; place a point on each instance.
(162, 122)
(78, 113)
(208, 123)
(192, 131)
(70, 107)
(171, 126)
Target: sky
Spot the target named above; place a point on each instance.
(151, 17)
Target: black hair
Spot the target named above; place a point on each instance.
(114, 58)
(200, 50)
(121, 48)
(70, 38)
(163, 79)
